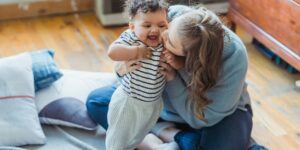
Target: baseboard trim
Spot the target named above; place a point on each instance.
(42, 8)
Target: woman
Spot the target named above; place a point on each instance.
(206, 104)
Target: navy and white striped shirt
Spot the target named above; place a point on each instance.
(145, 83)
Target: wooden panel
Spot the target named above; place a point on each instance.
(290, 55)
(279, 18)
(40, 8)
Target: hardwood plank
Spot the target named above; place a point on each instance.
(275, 103)
(80, 43)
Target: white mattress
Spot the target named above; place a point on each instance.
(66, 138)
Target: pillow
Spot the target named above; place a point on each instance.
(63, 103)
(44, 69)
(19, 122)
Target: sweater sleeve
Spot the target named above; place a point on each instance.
(225, 95)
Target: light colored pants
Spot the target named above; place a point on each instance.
(129, 120)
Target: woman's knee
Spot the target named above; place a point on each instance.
(97, 104)
(201, 141)
(232, 133)
(101, 95)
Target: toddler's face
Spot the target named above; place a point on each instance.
(149, 26)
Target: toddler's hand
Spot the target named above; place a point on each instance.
(143, 52)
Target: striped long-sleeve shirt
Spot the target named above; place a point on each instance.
(145, 83)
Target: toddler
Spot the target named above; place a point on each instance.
(136, 104)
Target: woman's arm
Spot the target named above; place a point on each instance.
(225, 100)
(225, 95)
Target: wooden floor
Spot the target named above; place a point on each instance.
(81, 42)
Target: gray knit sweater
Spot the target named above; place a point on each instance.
(230, 92)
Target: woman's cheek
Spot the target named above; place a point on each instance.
(167, 45)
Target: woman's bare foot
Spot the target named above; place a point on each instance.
(168, 146)
(165, 131)
(150, 142)
(167, 134)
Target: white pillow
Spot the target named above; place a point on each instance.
(63, 103)
(19, 122)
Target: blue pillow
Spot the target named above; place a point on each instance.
(44, 69)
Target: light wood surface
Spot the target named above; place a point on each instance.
(81, 43)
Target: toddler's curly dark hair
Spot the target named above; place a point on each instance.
(133, 6)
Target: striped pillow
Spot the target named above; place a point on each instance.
(19, 123)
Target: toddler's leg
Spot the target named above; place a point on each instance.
(146, 115)
(129, 121)
(119, 126)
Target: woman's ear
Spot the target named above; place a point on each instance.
(131, 26)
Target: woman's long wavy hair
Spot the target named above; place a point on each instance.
(202, 36)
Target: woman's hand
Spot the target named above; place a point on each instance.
(177, 62)
(143, 52)
(124, 67)
(167, 70)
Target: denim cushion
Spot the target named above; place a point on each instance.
(44, 69)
